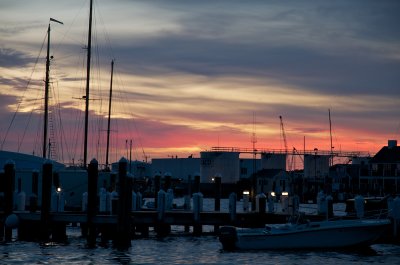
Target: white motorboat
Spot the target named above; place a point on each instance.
(303, 234)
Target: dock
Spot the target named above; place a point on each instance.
(121, 218)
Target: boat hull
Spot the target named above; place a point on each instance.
(334, 234)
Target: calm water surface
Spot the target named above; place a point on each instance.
(179, 248)
(184, 250)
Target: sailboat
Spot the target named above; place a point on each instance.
(72, 181)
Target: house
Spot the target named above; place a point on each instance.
(383, 174)
(272, 180)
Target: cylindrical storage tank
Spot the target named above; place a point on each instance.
(273, 161)
(225, 163)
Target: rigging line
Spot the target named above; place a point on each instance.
(26, 88)
(139, 138)
(26, 128)
(106, 35)
(77, 128)
(60, 131)
(38, 138)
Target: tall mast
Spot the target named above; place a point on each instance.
(109, 113)
(330, 135)
(89, 50)
(46, 90)
(46, 94)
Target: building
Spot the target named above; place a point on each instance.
(316, 167)
(273, 161)
(178, 168)
(382, 174)
(224, 164)
(272, 180)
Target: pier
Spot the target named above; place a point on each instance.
(119, 216)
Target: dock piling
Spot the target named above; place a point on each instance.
(123, 237)
(33, 199)
(93, 173)
(232, 206)
(46, 201)
(9, 175)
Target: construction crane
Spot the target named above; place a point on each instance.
(283, 135)
(284, 140)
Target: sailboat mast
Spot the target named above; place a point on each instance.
(46, 94)
(46, 90)
(89, 50)
(109, 113)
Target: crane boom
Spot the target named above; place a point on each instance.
(283, 135)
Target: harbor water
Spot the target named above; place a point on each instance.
(183, 248)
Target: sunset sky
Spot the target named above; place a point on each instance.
(191, 75)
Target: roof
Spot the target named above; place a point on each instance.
(25, 161)
(387, 156)
(269, 173)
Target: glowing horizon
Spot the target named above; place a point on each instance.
(192, 76)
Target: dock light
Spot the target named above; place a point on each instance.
(59, 189)
(272, 194)
(246, 192)
(213, 179)
(285, 193)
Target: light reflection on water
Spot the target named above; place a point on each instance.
(185, 250)
(181, 249)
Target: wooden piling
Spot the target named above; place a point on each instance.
(196, 184)
(232, 207)
(217, 198)
(33, 199)
(160, 227)
(9, 181)
(157, 182)
(167, 182)
(197, 209)
(123, 239)
(93, 174)
(46, 201)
